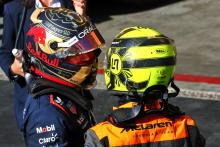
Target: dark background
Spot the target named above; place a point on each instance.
(100, 10)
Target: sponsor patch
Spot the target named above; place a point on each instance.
(45, 129)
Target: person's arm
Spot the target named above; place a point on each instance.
(80, 6)
(8, 40)
(196, 139)
(91, 140)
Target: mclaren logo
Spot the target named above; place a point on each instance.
(148, 126)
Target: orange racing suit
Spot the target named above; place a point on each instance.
(153, 130)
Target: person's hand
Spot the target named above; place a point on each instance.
(16, 68)
(80, 6)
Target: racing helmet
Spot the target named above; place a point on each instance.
(63, 47)
(139, 58)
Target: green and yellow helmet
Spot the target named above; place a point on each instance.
(139, 58)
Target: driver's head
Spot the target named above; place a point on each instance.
(139, 59)
(63, 47)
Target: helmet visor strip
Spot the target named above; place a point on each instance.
(76, 46)
(125, 43)
(143, 41)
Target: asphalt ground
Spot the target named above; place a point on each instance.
(194, 24)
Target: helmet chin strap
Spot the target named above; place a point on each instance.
(125, 117)
(176, 89)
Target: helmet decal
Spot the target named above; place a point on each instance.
(38, 33)
(118, 71)
(61, 16)
(42, 56)
(116, 64)
(62, 46)
(150, 62)
(141, 41)
(138, 59)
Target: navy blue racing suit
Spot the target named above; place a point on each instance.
(12, 16)
(56, 119)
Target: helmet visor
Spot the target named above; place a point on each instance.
(83, 43)
(83, 59)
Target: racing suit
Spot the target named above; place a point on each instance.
(152, 130)
(53, 118)
(12, 19)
